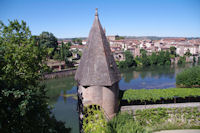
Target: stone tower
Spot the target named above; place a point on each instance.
(97, 74)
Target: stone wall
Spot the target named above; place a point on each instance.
(133, 108)
(105, 96)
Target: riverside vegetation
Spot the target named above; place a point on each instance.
(159, 58)
(150, 120)
(189, 77)
(142, 121)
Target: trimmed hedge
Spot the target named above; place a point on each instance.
(189, 77)
(158, 94)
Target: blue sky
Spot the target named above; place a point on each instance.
(74, 18)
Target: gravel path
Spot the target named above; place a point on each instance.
(174, 105)
(180, 131)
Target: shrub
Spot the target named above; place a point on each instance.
(189, 77)
(182, 60)
(94, 120)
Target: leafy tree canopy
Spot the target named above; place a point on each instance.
(48, 40)
(23, 101)
(173, 50)
(77, 40)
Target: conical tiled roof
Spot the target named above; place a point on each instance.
(97, 65)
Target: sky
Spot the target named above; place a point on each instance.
(74, 18)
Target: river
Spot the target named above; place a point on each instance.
(64, 104)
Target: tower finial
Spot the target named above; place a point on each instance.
(96, 13)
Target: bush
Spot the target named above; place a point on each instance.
(94, 120)
(189, 77)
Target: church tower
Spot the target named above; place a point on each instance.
(97, 74)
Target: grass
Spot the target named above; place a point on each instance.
(150, 120)
(169, 118)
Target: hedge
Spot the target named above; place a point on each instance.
(157, 94)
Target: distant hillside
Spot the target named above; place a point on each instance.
(136, 37)
(156, 37)
(61, 39)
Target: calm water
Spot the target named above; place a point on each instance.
(148, 78)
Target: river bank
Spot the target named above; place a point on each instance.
(65, 108)
(60, 74)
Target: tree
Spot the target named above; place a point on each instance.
(188, 53)
(145, 59)
(117, 37)
(194, 59)
(129, 59)
(153, 59)
(161, 58)
(65, 51)
(77, 40)
(143, 51)
(48, 40)
(182, 60)
(23, 101)
(173, 50)
(167, 58)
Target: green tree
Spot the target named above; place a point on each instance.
(129, 59)
(145, 59)
(23, 101)
(161, 58)
(153, 59)
(173, 50)
(143, 51)
(66, 53)
(117, 37)
(48, 40)
(194, 59)
(188, 53)
(77, 41)
(167, 58)
(182, 60)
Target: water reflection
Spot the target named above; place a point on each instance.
(148, 78)
(64, 108)
(151, 77)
